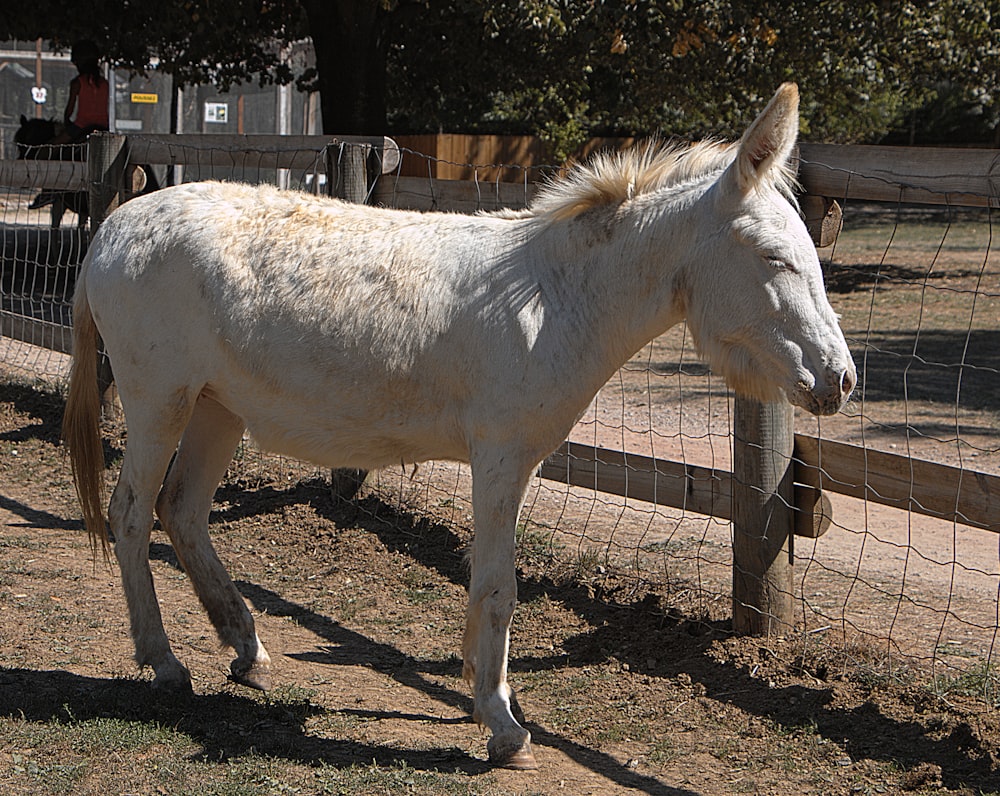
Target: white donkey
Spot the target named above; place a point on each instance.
(359, 337)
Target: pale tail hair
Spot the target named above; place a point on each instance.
(82, 424)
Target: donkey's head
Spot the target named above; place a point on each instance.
(756, 304)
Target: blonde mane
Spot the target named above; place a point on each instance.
(610, 178)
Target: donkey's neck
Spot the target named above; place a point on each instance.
(619, 273)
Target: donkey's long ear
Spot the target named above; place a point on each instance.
(769, 141)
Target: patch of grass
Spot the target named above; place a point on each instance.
(663, 751)
(588, 561)
(982, 681)
(21, 542)
(288, 695)
(535, 541)
(417, 589)
(105, 735)
(389, 780)
(59, 756)
(422, 596)
(42, 772)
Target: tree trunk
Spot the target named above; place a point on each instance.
(351, 47)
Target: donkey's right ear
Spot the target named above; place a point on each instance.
(769, 141)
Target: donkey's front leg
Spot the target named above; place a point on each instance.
(497, 492)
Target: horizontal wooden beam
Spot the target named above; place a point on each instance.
(960, 177)
(453, 196)
(821, 466)
(45, 334)
(36, 175)
(922, 175)
(259, 151)
(937, 490)
(703, 490)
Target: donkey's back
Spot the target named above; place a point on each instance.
(340, 334)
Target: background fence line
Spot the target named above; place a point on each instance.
(608, 480)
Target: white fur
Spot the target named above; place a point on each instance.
(359, 337)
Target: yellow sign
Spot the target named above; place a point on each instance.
(146, 99)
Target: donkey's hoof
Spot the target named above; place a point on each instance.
(518, 758)
(254, 676)
(176, 681)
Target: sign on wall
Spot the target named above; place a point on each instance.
(217, 112)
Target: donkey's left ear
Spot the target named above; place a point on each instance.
(769, 141)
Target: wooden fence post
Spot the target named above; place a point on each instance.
(107, 159)
(107, 163)
(350, 170)
(763, 516)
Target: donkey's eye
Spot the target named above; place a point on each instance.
(781, 265)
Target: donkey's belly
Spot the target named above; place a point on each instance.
(347, 431)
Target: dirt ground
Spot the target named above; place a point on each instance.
(361, 606)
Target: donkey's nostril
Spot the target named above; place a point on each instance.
(847, 382)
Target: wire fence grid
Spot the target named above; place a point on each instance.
(886, 589)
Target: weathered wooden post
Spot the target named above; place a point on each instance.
(763, 516)
(350, 170)
(107, 161)
(347, 171)
(107, 164)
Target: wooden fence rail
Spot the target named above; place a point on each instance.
(927, 488)
(918, 175)
(771, 463)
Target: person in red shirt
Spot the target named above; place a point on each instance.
(87, 108)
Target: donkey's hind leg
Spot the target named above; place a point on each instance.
(152, 438)
(183, 507)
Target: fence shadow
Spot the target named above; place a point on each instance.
(36, 518)
(934, 365)
(44, 407)
(843, 278)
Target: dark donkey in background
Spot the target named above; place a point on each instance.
(34, 142)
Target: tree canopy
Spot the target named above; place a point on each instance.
(571, 69)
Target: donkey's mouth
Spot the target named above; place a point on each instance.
(818, 400)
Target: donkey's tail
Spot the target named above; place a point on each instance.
(82, 422)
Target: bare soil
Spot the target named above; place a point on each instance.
(361, 606)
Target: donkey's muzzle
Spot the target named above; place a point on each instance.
(828, 396)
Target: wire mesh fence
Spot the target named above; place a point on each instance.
(886, 588)
(917, 288)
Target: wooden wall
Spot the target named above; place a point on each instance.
(446, 156)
